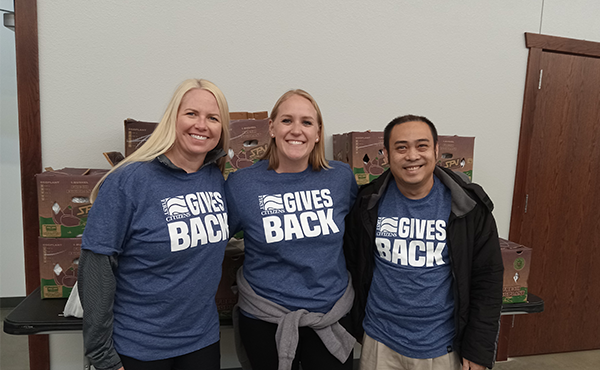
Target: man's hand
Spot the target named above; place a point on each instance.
(468, 365)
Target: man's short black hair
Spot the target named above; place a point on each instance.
(407, 118)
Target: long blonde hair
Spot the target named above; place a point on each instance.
(317, 156)
(163, 137)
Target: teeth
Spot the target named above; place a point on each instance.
(295, 142)
(412, 168)
(198, 137)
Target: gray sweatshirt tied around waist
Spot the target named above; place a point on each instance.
(334, 336)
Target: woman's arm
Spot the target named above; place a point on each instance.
(96, 283)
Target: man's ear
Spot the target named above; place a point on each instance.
(437, 151)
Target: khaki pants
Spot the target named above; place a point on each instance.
(378, 356)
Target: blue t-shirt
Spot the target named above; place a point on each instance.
(411, 304)
(293, 227)
(168, 230)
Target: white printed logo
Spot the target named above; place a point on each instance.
(270, 204)
(195, 219)
(411, 241)
(387, 226)
(297, 215)
(175, 206)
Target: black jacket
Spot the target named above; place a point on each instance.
(475, 258)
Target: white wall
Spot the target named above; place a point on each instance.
(576, 19)
(12, 260)
(460, 63)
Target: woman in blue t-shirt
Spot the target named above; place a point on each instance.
(154, 243)
(294, 290)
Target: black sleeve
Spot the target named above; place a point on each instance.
(358, 255)
(96, 283)
(481, 333)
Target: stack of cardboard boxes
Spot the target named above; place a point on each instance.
(364, 152)
(63, 207)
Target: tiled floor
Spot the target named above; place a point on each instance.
(14, 355)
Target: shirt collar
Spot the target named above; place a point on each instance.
(211, 157)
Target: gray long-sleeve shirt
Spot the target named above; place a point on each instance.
(96, 284)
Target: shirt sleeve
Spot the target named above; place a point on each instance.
(96, 284)
(110, 218)
(233, 216)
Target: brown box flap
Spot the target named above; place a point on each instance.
(69, 171)
(248, 115)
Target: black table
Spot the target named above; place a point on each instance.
(35, 315)
(534, 304)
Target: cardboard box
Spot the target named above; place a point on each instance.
(64, 200)
(248, 139)
(59, 261)
(363, 151)
(227, 293)
(234, 116)
(136, 133)
(341, 148)
(517, 263)
(456, 153)
(114, 158)
(248, 132)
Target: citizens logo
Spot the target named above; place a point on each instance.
(271, 204)
(175, 208)
(387, 226)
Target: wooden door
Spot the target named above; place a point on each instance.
(556, 209)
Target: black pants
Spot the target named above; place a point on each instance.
(258, 338)
(207, 358)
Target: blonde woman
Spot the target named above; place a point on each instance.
(154, 243)
(294, 291)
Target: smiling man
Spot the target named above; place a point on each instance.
(423, 250)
